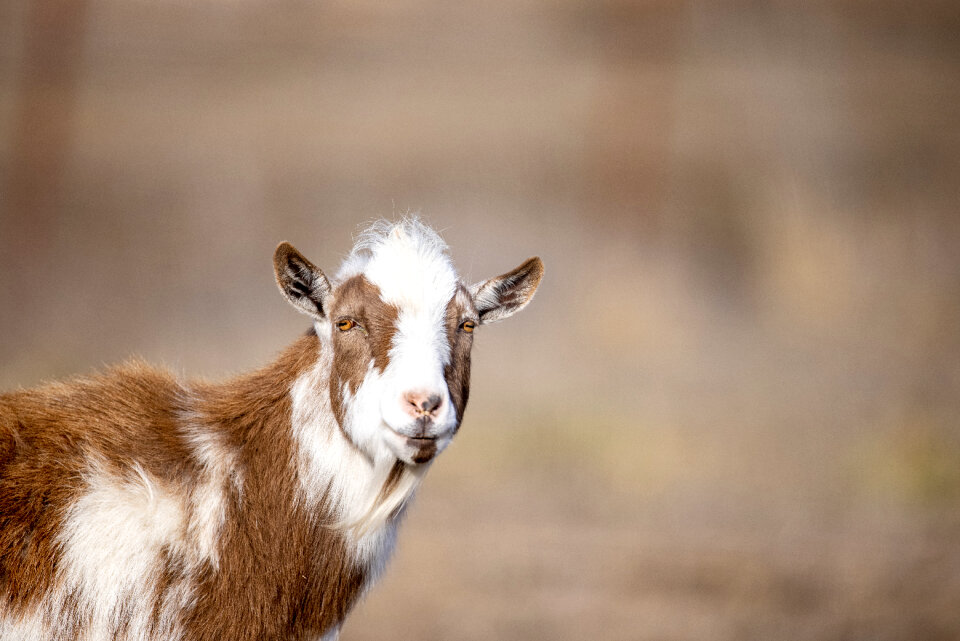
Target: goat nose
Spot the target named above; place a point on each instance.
(422, 403)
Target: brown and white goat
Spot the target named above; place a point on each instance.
(135, 505)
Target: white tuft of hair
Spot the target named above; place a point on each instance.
(407, 240)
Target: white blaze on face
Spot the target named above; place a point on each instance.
(419, 280)
(418, 357)
(410, 267)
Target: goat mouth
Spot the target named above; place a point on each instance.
(422, 439)
(417, 449)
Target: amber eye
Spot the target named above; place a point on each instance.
(346, 324)
(468, 326)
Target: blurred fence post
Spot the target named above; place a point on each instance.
(41, 133)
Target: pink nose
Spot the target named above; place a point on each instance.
(422, 403)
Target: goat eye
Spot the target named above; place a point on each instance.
(346, 325)
(468, 326)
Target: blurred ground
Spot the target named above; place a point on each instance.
(731, 412)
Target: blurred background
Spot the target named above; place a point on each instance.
(731, 411)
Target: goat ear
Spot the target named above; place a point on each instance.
(301, 282)
(506, 295)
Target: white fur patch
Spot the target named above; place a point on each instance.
(409, 262)
(419, 354)
(28, 627)
(332, 467)
(114, 539)
(112, 542)
(219, 473)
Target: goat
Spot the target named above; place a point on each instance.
(136, 505)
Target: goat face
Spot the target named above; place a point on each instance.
(400, 367)
(400, 325)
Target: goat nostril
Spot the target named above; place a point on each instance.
(431, 403)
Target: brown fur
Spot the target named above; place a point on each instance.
(46, 435)
(392, 479)
(359, 300)
(260, 590)
(283, 573)
(457, 373)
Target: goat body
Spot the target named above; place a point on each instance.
(134, 505)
